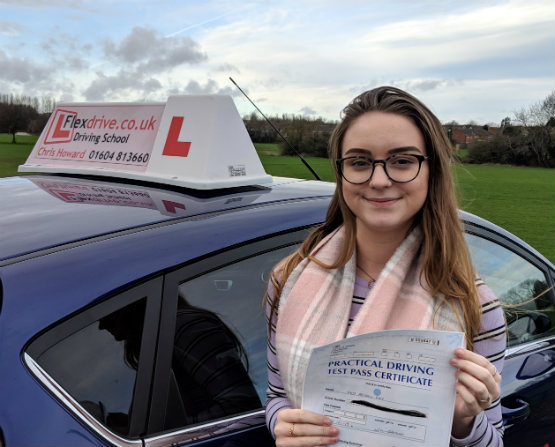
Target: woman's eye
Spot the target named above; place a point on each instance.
(401, 161)
(360, 163)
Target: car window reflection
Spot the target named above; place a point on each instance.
(219, 358)
(521, 287)
(97, 365)
(209, 367)
(537, 364)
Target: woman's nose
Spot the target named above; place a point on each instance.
(379, 177)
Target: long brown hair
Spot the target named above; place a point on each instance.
(447, 266)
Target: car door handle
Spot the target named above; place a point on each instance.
(516, 411)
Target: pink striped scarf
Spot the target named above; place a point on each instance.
(315, 304)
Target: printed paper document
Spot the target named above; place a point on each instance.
(389, 388)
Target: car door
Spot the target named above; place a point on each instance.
(523, 282)
(210, 378)
(223, 293)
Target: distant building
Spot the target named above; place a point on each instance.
(463, 135)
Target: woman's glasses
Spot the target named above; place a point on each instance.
(400, 168)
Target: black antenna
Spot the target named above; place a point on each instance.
(278, 132)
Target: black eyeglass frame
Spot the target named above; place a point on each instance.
(383, 162)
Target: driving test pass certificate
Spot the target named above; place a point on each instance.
(388, 388)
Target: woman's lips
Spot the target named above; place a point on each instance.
(383, 201)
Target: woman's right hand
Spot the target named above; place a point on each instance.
(297, 427)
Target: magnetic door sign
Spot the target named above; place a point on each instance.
(99, 136)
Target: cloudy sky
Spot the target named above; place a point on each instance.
(468, 60)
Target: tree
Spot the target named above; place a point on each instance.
(505, 122)
(47, 105)
(308, 136)
(37, 124)
(24, 114)
(297, 132)
(538, 133)
(528, 140)
(16, 112)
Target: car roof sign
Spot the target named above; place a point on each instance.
(198, 142)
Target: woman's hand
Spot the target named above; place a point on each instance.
(477, 386)
(303, 428)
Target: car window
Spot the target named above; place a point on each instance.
(102, 376)
(94, 357)
(521, 287)
(219, 356)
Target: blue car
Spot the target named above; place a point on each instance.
(131, 291)
(131, 313)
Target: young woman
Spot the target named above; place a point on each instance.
(390, 255)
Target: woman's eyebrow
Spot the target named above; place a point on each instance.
(404, 149)
(367, 152)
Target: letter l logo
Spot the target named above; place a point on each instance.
(173, 147)
(58, 132)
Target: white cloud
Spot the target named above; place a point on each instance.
(465, 58)
(152, 51)
(20, 70)
(120, 86)
(10, 28)
(483, 34)
(307, 111)
(210, 87)
(43, 3)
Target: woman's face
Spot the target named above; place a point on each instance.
(381, 205)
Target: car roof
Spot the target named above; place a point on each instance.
(46, 211)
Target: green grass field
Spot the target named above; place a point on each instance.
(12, 155)
(521, 200)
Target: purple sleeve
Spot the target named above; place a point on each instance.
(491, 342)
(276, 397)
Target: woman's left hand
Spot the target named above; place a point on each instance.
(478, 385)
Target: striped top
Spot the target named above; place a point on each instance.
(209, 369)
(490, 342)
